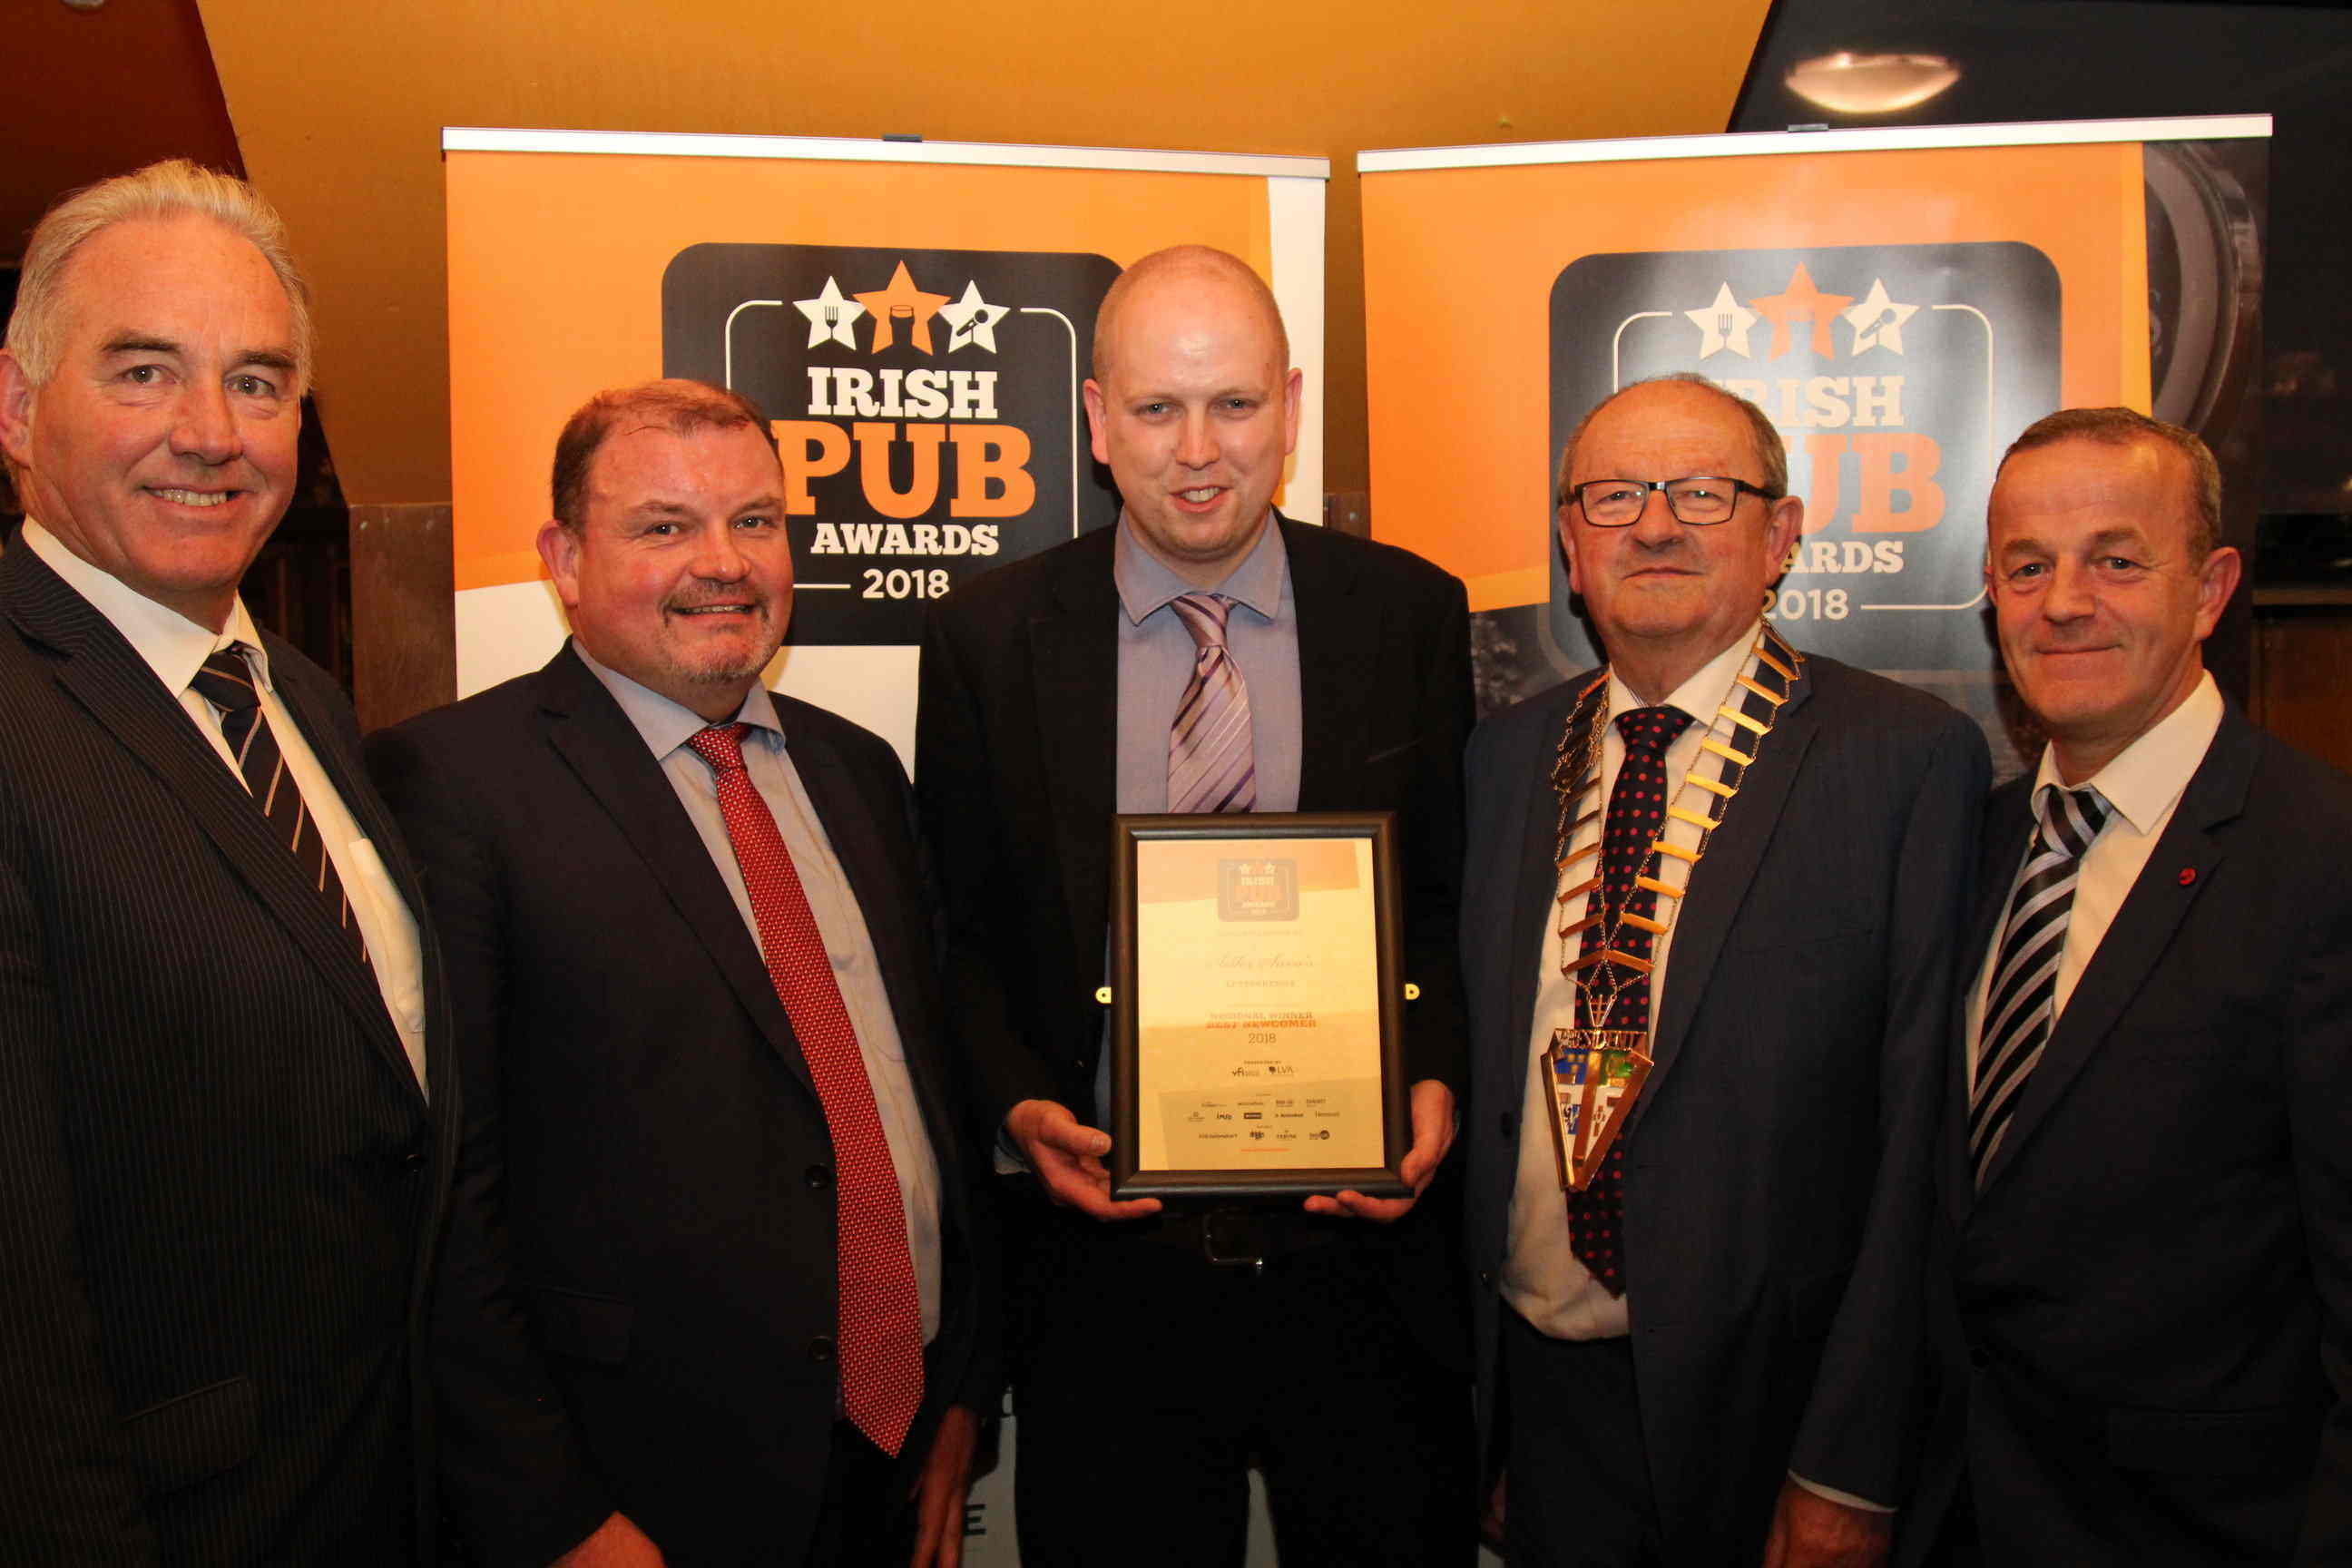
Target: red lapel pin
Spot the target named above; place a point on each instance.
(2188, 875)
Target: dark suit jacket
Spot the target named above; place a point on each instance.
(2157, 1279)
(218, 1178)
(1016, 768)
(1778, 1162)
(643, 1146)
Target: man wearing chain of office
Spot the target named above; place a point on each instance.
(1708, 920)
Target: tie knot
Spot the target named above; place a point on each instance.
(2071, 818)
(227, 680)
(721, 746)
(1203, 615)
(1651, 730)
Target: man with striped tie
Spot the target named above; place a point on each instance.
(1203, 655)
(227, 1112)
(2150, 1167)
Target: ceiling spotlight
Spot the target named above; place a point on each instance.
(1870, 84)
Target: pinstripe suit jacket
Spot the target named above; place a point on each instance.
(218, 1178)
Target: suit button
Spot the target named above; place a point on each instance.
(820, 1177)
(820, 1350)
(1978, 1359)
(1510, 1124)
(413, 1161)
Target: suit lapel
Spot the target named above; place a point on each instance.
(1535, 905)
(106, 676)
(595, 739)
(2142, 930)
(1718, 884)
(1338, 642)
(1073, 663)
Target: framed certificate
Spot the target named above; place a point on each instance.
(1256, 1007)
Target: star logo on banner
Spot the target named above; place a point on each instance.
(830, 315)
(1797, 304)
(1878, 320)
(973, 320)
(904, 305)
(1724, 324)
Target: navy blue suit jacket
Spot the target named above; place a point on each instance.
(2155, 1284)
(1779, 1161)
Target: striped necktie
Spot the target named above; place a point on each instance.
(2020, 1003)
(1211, 765)
(226, 682)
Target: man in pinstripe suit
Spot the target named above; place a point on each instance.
(226, 1131)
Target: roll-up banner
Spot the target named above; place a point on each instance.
(914, 317)
(1901, 303)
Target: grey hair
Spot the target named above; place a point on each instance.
(172, 188)
(1771, 454)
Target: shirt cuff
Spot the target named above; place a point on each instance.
(1007, 1153)
(1848, 1499)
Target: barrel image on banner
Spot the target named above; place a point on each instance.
(925, 404)
(1895, 374)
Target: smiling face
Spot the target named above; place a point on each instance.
(1195, 412)
(1668, 596)
(2100, 604)
(161, 450)
(679, 574)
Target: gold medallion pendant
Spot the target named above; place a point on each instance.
(1595, 1076)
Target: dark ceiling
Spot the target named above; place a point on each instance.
(85, 94)
(2096, 60)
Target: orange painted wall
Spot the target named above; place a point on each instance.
(337, 109)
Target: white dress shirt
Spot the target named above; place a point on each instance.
(1541, 1278)
(2142, 786)
(175, 648)
(666, 727)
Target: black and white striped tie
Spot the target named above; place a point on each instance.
(226, 682)
(2022, 1001)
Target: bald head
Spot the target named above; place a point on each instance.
(1184, 265)
(1193, 406)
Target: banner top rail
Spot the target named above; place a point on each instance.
(872, 150)
(1755, 143)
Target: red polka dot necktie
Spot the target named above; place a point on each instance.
(1637, 809)
(878, 1318)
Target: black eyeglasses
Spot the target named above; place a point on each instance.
(1700, 500)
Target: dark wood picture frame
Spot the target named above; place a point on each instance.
(1128, 1180)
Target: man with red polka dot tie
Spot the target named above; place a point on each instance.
(688, 930)
(1708, 908)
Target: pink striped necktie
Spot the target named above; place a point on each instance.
(1211, 765)
(878, 1316)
